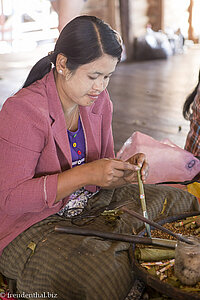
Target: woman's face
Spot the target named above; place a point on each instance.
(86, 83)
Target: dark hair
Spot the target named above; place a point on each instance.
(82, 40)
(189, 100)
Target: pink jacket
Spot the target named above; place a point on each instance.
(34, 148)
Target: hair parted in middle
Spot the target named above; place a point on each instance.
(85, 39)
(82, 40)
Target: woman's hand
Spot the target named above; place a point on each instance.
(140, 161)
(106, 173)
(109, 173)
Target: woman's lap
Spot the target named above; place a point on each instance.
(76, 267)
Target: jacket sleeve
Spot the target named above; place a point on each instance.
(193, 138)
(23, 135)
(107, 150)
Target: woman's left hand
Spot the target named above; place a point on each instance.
(139, 160)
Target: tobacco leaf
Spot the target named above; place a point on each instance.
(32, 246)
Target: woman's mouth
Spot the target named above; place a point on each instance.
(93, 97)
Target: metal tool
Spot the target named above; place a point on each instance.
(143, 201)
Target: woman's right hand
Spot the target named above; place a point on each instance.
(108, 172)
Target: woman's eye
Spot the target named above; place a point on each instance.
(107, 77)
(92, 78)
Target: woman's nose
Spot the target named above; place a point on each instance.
(98, 85)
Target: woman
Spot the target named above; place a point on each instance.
(191, 111)
(56, 151)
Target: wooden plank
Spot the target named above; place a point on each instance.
(190, 28)
(125, 23)
(111, 13)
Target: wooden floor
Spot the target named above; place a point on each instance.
(147, 96)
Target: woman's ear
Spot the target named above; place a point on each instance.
(61, 61)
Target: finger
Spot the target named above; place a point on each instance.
(144, 171)
(118, 173)
(128, 173)
(140, 158)
(131, 178)
(137, 159)
(145, 168)
(123, 165)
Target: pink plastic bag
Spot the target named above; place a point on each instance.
(167, 161)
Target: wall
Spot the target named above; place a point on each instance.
(161, 14)
(138, 17)
(166, 15)
(176, 15)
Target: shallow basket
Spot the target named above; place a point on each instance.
(154, 282)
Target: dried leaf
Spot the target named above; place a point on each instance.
(164, 206)
(32, 246)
